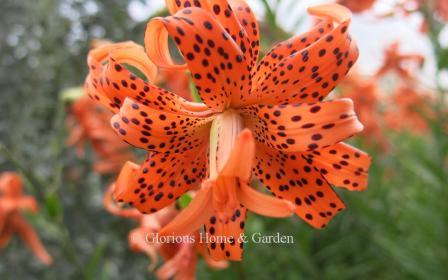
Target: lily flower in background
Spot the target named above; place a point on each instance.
(12, 221)
(404, 65)
(366, 95)
(409, 109)
(441, 8)
(89, 122)
(180, 258)
(409, 106)
(298, 136)
(176, 81)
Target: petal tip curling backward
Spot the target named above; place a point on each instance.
(121, 185)
(335, 11)
(359, 127)
(156, 45)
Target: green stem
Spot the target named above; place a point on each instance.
(434, 29)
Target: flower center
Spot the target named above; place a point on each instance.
(224, 131)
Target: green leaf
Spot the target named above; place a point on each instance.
(184, 201)
(194, 92)
(53, 206)
(93, 262)
(442, 59)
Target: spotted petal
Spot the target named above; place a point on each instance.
(235, 16)
(290, 176)
(175, 5)
(119, 83)
(225, 235)
(229, 19)
(93, 88)
(289, 47)
(163, 178)
(216, 62)
(110, 82)
(303, 127)
(159, 131)
(311, 73)
(250, 24)
(342, 165)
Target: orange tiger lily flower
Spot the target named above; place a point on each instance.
(180, 258)
(12, 203)
(357, 6)
(298, 148)
(89, 122)
(409, 110)
(402, 64)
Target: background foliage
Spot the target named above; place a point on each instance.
(396, 229)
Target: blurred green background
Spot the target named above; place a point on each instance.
(397, 229)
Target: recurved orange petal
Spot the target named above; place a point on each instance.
(29, 236)
(201, 248)
(110, 82)
(159, 131)
(163, 178)
(342, 165)
(303, 127)
(249, 22)
(175, 5)
(293, 177)
(193, 217)
(216, 62)
(114, 209)
(224, 237)
(121, 189)
(289, 47)
(310, 73)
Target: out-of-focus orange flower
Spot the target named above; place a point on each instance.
(441, 9)
(438, 8)
(180, 258)
(175, 81)
(12, 204)
(89, 122)
(402, 64)
(298, 137)
(410, 110)
(365, 94)
(357, 6)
